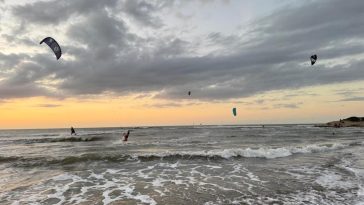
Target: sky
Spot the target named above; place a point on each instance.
(132, 62)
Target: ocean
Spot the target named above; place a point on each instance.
(275, 164)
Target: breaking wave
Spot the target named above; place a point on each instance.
(267, 153)
(217, 154)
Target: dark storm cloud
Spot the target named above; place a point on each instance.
(20, 76)
(9, 61)
(104, 36)
(218, 38)
(273, 55)
(21, 91)
(143, 12)
(53, 12)
(280, 43)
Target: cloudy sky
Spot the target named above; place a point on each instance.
(132, 62)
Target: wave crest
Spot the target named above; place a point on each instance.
(217, 154)
(267, 153)
(66, 139)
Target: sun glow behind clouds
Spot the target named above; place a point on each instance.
(132, 62)
(310, 105)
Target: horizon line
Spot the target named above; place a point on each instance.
(151, 126)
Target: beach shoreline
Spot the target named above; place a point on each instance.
(349, 122)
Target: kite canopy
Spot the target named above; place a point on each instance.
(53, 45)
(234, 111)
(313, 59)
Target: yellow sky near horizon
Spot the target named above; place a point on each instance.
(307, 105)
(221, 49)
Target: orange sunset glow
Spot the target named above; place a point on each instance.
(126, 70)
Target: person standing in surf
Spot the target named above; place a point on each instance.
(73, 132)
(126, 135)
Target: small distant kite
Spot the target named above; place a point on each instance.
(234, 111)
(189, 92)
(313, 59)
(53, 45)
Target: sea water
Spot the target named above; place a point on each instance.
(281, 164)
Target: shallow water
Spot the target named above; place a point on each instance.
(290, 164)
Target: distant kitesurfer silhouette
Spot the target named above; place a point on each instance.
(73, 132)
(126, 135)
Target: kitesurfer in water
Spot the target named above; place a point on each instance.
(126, 135)
(73, 132)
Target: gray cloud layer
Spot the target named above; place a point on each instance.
(109, 57)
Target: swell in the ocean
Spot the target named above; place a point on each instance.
(85, 138)
(216, 154)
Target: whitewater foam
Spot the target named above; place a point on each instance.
(278, 165)
(333, 180)
(263, 152)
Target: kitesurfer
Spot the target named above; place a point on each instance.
(126, 135)
(73, 132)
